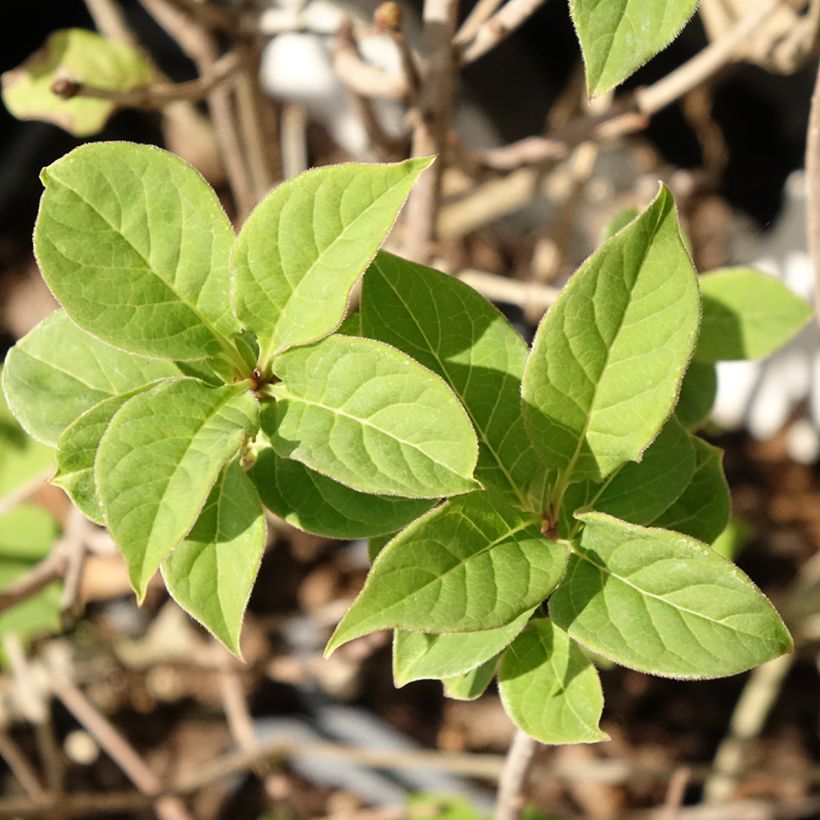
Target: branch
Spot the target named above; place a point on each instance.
(514, 777)
(479, 15)
(498, 28)
(526, 295)
(361, 77)
(46, 572)
(157, 95)
(21, 493)
(210, 15)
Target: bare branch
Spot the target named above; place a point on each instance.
(21, 493)
(512, 15)
(361, 77)
(514, 777)
(480, 13)
(526, 295)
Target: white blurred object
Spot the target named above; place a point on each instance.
(762, 395)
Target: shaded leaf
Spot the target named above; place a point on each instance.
(697, 395)
(549, 687)
(212, 571)
(471, 685)
(662, 603)
(364, 414)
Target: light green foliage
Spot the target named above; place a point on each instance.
(441, 807)
(747, 315)
(447, 326)
(475, 563)
(57, 372)
(609, 356)
(150, 277)
(211, 573)
(663, 603)
(419, 655)
(81, 56)
(697, 395)
(620, 220)
(307, 242)
(550, 688)
(21, 458)
(158, 460)
(318, 504)
(27, 534)
(618, 36)
(471, 685)
(365, 414)
(364, 431)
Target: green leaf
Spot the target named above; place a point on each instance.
(471, 685)
(22, 458)
(80, 56)
(733, 539)
(448, 327)
(475, 563)
(364, 414)
(158, 460)
(618, 36)
(135, 245)
(704, 508)
(421, 656)
(697, 395)
(320, 505)
(57, 372)
(549, 687)
(747, 315)
(619, 221)
(27, 534)
(662, 603)
(304, 246)
(640, 492)
(211, 573)
(609, 356)
(376, 543)
(77, 450)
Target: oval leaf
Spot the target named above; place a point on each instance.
(420, 656)
(314, 503)
(471, 685)
(303, 247)
(662, 603)
(56, 372)
(81, 56)
(211, 573)
(549, 687)
(158, 460)
(747, 315)
(473, 564)
(609, 356)
(457, 333)
(697, 395)
(151, 277)
(364, 414)
(618, 36)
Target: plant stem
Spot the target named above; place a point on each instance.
(514, 776)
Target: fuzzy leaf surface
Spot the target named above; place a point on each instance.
(158, 460)
(747, 315)
(663, 603)
(318, 504)
(305, 245)
(422, 656)
(457, 333)
(471, 685)
(475, 563)
(549, 687)
(609, 356)
(703, 509)
(135, 245)
(82, 56)
(57, 371)
(618, 36)
(370, 417)
(211, 573)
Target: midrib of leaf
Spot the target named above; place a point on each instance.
(65, 373)
(519, 494)
(223, 342)
(214, 541)
(563, 481)
(559, 688)
(647, 594)
(272, 349)
(364, 422)
(611, 39)
(232, 395)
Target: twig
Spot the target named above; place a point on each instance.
(513, 778)
(157, 95)
(20, 767)
(110, 739)
(813, 189)
(75, 550)
(294, 140)
(46, 572)
(505, 21)
(479, 14)
(433, 127)
(21, 493)
(526, 295)
(210, 15)
(360, 76)
(676, 793)
(110, 21)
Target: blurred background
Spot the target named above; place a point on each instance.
(531, 179)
